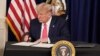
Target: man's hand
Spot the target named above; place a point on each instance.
(27, 38)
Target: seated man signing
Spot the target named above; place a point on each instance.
(47, 28)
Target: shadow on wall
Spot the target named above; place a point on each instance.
(3, 35)
(1, 51)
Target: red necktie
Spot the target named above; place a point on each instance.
(44, 34)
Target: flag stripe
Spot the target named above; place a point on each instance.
(15, 13)
(10, 24)
(19, 15)
(13, 28)
(26, 24)
(19, 4)
(18, 12)
(14, 19)
(33, 8)
(26, 7)
(27, 15)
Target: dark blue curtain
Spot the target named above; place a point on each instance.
(84, 18)
(39, 1)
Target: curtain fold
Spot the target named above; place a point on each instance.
(84, 18)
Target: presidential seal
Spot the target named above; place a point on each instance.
(63, 48)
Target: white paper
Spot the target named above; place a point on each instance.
(24, 43)
(43, 45)
(33, 44)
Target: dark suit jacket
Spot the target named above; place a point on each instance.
(58, 29)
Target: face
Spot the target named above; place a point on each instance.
(43, 17)
(63, 52)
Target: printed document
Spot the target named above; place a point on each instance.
(43, 45)
(33, 44)
(23, 43)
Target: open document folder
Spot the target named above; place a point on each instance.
(33, 44)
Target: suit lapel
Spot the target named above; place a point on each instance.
(38, 30)
(52, 26)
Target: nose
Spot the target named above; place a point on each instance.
(38, 16)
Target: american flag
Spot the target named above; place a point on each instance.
(19, 14)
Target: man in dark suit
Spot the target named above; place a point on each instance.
(56, 26)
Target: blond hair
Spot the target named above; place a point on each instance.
(43, 7)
